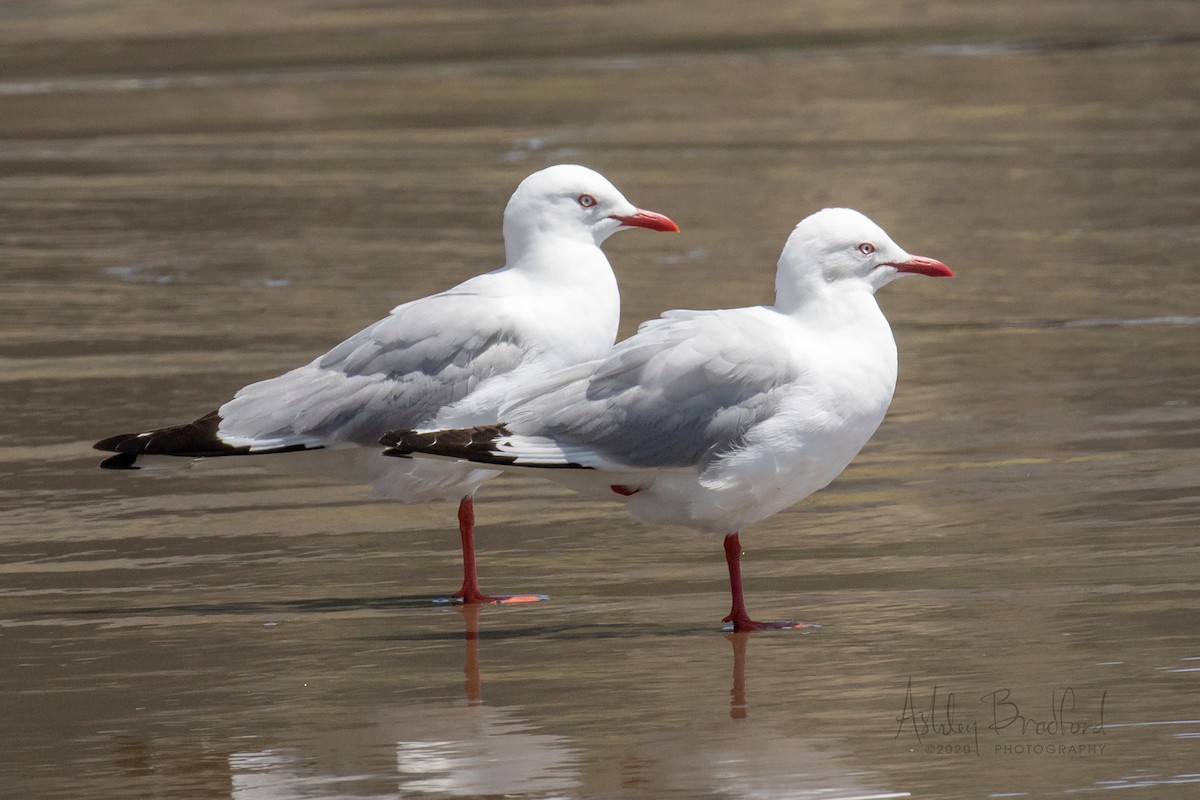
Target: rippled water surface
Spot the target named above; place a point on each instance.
(193, 198)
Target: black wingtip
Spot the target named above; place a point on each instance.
(127, 447)
(119, 461)
(113, 443)
(393, 439)
(193, 440)
(470, 444)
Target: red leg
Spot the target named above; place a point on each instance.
(737, 615)
(469, 593)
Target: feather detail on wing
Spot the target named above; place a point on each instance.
(681, 392)
(198, 439)
(492, 444)
(399, 372)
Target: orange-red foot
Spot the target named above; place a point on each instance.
(478, 598)
(743, 624)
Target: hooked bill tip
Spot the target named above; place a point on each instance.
(920, 265)
(650, 220)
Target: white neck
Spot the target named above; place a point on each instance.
(556, 259)
(526, 235)
(842, 311)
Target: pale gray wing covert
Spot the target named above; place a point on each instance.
(682, 391)
(395, 373)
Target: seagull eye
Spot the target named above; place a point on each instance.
(586, 200)
(866, 248)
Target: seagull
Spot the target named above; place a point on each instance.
(449, 359)
(715, 420)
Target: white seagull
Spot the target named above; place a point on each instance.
(450, 359)
(718, 419)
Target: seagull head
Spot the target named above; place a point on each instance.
(572, 202)
(843, 246)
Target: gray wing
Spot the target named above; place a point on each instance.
(686, 388)
(398, 372)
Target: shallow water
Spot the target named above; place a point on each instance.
(1006, 578)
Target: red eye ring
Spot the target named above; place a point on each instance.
(866, 248)
(586, 200)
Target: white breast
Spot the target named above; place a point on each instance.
(824, 420)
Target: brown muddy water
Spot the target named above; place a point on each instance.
(196, 196)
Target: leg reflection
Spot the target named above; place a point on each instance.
(473, 686)
(737, 695)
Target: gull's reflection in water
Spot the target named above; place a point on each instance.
(476, 749)
(748, 759)
(442, 749)
(472, 749)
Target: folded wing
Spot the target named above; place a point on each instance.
(425, 356)
(685, 389)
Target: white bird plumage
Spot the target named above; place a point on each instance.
(451, 358)
(719, 419)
